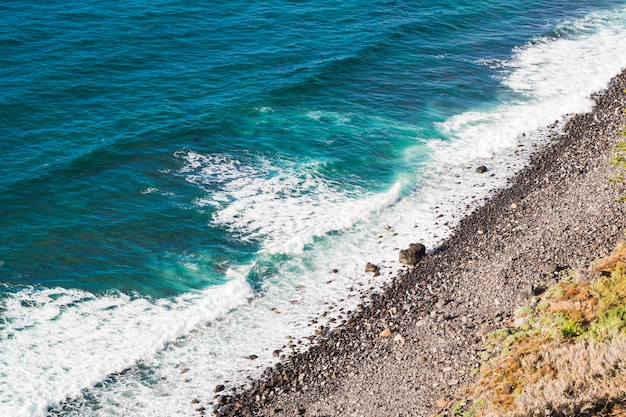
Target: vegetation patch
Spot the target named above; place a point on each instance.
(619, 158)
(564, 355)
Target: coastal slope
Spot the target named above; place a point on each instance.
(409, 348)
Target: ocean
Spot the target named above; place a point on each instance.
(187, 188)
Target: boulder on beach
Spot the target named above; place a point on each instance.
(370, 267)
(413, 254)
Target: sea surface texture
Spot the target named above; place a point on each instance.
(186, 184)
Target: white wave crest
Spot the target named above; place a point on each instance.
(283, 208)
(554, 77)
(56, 342)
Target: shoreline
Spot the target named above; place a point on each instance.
(406, 349)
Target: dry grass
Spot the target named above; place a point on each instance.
(586, 376)
(565, 355)
(610, 262)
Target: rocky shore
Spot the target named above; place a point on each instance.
(408, 349)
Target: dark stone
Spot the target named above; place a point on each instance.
(413, 254)
(370, 267)
(219, 388)
(481, 169)
(225, 410)
(253, 357)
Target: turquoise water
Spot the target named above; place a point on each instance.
(166, 165)
(99, 97)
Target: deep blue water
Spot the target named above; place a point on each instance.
(98, 96)
(149, 147)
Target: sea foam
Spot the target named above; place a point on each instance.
(57, 342)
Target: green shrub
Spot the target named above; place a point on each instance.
(612, 289)
(572, 328)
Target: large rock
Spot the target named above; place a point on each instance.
(413, 254)
(370, 267)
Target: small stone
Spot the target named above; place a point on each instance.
(385, 333)
(421, 360)
(528, 291)
(481, 169)
(253, 357)
(453, 382)
(219, 388)
(370, 267)
(513, 206)
(520, 321)
(442, 402)
(225, 410)
(549, 268)
(399, 338)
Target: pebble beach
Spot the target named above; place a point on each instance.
(405, 351)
